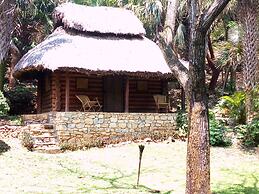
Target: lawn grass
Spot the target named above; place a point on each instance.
(114, 170)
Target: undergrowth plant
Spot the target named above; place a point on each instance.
(235, 106)
(182, 121)
(249, 134)
(4, 107)
(217, 132)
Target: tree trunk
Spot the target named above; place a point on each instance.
(15, 57)
(6, 28)
(198, 149)
(198, 152)
(248, 17)
(170, 21)
(193, 82)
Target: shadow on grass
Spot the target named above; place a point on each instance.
(241, 188)
(4, 147)
(114, 182)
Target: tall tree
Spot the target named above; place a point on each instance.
(6, 28)
(248, 17)
(198, 153)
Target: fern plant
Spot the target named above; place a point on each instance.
(235, 105)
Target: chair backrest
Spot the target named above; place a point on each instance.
(159, 98)
(83, 98)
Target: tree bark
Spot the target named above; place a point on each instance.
(198, 152)
(15, 57)
(170, 21)
(215, 74)
(248, 17)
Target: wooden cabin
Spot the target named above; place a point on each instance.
(87, 56)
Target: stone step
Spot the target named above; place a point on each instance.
(48, 141)
(44, 136)
(48, 126)
(49, 149)
(42, 144)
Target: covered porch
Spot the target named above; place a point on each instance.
(115, 92)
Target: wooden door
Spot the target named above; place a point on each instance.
(113, 94)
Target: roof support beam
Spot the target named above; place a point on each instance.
(67, 93)
(39, 95)
(126, 94)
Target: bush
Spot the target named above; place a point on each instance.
(249, 134)
(235, 105)
(27, 141)
(4, 107)
(217, 132)
(22, 100)
(181, 121)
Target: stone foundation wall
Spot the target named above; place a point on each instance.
(87, 129)
(106, 128)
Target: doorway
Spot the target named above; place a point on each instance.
(113, 94)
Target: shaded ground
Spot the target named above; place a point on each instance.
(114, 170)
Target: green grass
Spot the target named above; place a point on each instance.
(114, 170)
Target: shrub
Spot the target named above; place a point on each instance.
(22, 100)
(235, 105)
(27, 141)
(217, 132)
(4, 107)
(181, 121)
(249, 134)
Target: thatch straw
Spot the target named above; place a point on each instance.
(98, 19)
(66, 49)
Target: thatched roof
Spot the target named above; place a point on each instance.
(67, 49)
(98, 19)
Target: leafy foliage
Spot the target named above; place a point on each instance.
(22, 100)
(235, 105)
(249, 134)
(4, 107)
(217, 132)
(181, 121)
(33, 22)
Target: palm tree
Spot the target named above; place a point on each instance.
(248, 17)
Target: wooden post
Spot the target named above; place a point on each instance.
(56, 92)
(67, 93)
(126, 105)
(39, 88)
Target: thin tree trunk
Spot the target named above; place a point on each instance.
(170, 21)
(15, 57)
(215, 74)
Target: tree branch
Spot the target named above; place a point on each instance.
(212, 12)
(179, 70)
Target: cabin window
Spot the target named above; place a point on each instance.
(82, 83)
(142, 86)
(47, 83)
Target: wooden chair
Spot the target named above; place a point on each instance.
(87, 104)
(161, 102)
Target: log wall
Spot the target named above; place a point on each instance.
(95, 88)
(143, 101)
(46, 93)
(54, 99)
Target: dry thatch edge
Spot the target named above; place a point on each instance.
(64, 48)
(98, 19)
(142, 75)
